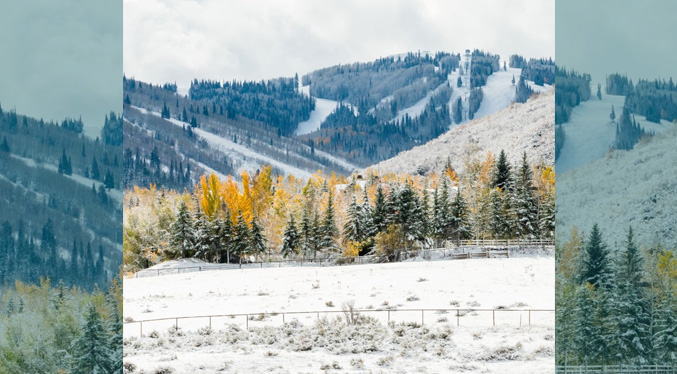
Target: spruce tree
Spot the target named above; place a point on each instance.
(91, 351)
(584, 329)
(241, 237)
(526, 205)
(459, 213)
(632, 319)
(595, 265)
(181, 232)
(612, 116)
(378, 216)
(257, 242)
(352, 227)
(502, 177)
(291, 240)
(328, 230)
(225, 236)
(201, 229)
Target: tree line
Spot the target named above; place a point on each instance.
(57, 329)
(268, 217)
(615, 306)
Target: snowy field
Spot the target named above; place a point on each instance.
(320, 342)
(589, 132)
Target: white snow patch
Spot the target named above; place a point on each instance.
(590, 133)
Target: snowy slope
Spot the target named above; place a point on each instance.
(589, 132)
(518, 283)
(521, 127)
(624, 188)
(323, 108)
(251, 160)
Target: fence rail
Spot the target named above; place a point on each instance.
(387, 313)
(466, 249)
(617, 369)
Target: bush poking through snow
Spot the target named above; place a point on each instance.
(350, 313)
(502, 353)
(357, 363)
(128, 368)
(385, 361)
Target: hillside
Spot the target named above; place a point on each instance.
(60, 201)
(643, 193)
(520, 128)
(336, 119)
(590, 133)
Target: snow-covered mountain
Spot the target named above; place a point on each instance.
(624, 188)
(527, 127)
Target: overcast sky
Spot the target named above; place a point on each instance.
(636, 38)
(178, 40)
(62, 59)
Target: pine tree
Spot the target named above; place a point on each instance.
(241, 237)
(165, 111)
(459, 214)
(109, 181)
(181, 232)
(612, 116)
(91, 351)
(257, 243)
(328, 229)
(366, 213)
(665, 337)
(4, 147)
(583, 324)
(225, 236)
(526, 205)
(291, 238)
(96, 175)
(497, 218)
(502, 177)
(378, 217)
(115, 342)
(632, 320)
(599, 91)
(595, 266)
(352, 228)
(202, 242)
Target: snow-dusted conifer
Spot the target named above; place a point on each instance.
(91, 351)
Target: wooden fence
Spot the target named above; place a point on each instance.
(464, 250)
(525, 316)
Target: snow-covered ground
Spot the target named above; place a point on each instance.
(589, 132)
(625, 188)
(308, 342)
(528, 127)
